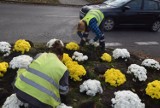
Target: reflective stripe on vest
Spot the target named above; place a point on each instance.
(94, 14)
(63, 89)
(44, 76)
(39, 87)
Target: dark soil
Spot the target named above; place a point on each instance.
(95, 69)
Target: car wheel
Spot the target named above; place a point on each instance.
(155, 26)
(109, 24)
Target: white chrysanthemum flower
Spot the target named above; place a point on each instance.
(13, 102)
(5, 48)
(126, 99)
(21, 61)
(138, 71)
(91, 87)
(151, 63)
(62, 105)
(121, 53)
(52, 41)
(96, 44)
(85, 57)
(79, 56)
(91, 42)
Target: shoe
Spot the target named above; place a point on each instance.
(102, 46)
(82, 42)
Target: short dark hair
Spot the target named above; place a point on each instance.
(57, 48)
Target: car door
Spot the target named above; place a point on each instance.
(151, 11)
(130, 15)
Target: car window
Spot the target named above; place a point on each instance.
(116, 3)
(135, 5)
(150, 5)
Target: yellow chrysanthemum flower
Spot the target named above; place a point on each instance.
(72, 46)
(66, 58)
(22, 46)
(3, 68)
(1, 75)
(153, 89)
(114, 77)
(106, 57)
(76, 71)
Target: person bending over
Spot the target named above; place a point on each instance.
(94, 21)
(42, 84)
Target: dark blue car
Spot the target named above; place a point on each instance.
(128, 12)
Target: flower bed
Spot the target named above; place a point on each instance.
(81, 72)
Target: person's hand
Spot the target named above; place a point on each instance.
(91, 41)
(84, 39)
(96, 44)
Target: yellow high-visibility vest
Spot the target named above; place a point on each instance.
(41, 79)
(94, 14)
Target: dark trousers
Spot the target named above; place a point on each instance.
(33, 102)
(24, 101)
(101, 26)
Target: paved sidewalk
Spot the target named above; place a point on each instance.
(73, 2)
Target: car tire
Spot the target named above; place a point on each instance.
(109, 24)
(155, 26)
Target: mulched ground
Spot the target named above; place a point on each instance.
(95, 69)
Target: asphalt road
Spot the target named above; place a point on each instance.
(41, 23)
